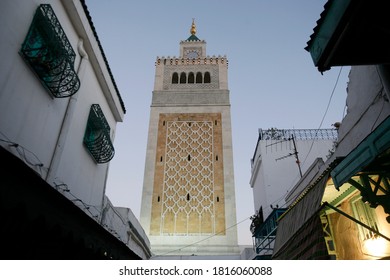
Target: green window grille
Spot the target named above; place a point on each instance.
(48, 51)
(97, 136)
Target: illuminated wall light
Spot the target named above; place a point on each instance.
(378, 247)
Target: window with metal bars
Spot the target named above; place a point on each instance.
(97, 136)
(49, 53)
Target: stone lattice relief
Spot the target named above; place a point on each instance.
(188, 197)
(188, 188)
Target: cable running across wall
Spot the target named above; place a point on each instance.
(325, 113)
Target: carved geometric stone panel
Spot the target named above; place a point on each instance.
(188, 196)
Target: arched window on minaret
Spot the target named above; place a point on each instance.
(175, 78)
(183, 78)
(191, 78)
(199, 78)
(207, 78)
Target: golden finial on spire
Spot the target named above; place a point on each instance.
(193, 27)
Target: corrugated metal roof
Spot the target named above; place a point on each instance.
(351, 32)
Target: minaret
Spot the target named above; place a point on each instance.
(188, 201)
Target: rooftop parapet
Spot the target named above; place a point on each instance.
(186, 61)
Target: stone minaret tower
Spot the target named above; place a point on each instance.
(188, 202)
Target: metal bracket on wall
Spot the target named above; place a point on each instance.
(375, 190)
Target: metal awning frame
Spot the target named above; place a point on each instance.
(369, 162)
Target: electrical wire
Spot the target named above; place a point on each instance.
(232, 226)
(87, 207)
(30, 158)
(21, 151)
(311, 146)
(209, 237)
(284, 195)
(325, 113)
(23, 154)
(64, 187)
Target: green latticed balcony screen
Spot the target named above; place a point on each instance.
(48, 51)
(97, 136)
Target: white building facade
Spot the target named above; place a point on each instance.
(59, 104)
(276, 154)
(282, 158)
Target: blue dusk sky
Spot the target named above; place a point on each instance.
(272, 79)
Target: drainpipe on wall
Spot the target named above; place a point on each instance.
(67, 120)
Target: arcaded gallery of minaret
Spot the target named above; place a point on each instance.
(188, 200)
